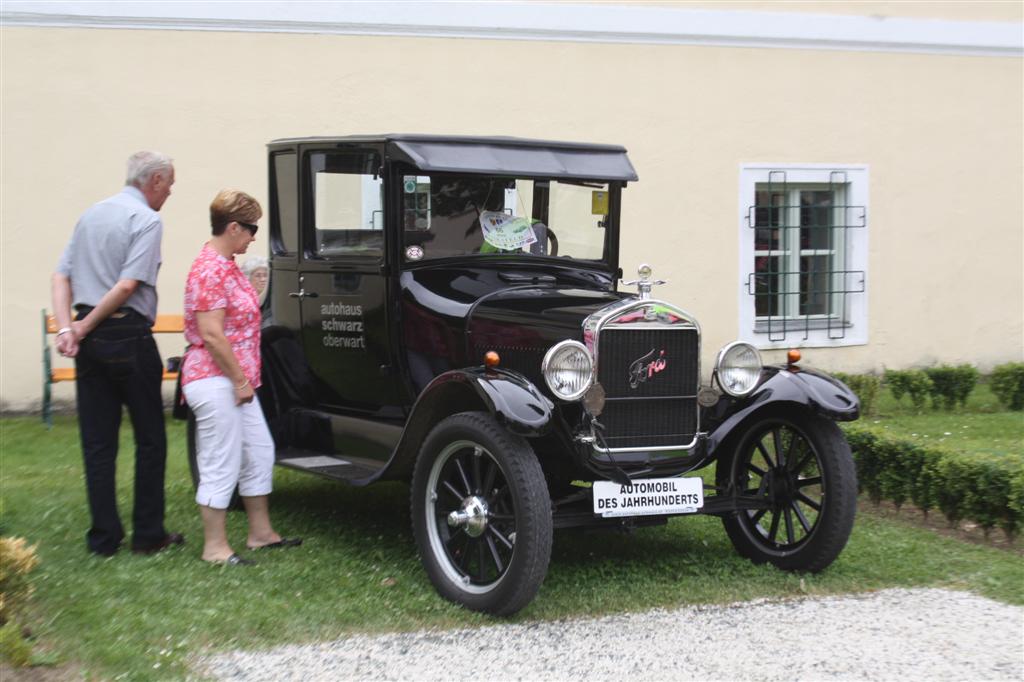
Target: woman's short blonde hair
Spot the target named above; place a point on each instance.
(232, 205)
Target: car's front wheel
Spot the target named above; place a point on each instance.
(799, 467)
(481, 514)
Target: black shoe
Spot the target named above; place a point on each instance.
(233, 560)
(169, 540)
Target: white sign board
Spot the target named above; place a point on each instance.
(649, 496)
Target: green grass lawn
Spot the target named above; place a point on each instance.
(983, 427)
(142, 617)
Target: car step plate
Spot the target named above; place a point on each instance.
(649, 496)
(317, 462)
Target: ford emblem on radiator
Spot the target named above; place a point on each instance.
(642, 369)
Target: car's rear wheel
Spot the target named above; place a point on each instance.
(481, 514)
(801, 467)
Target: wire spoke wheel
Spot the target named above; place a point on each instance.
(473, 515)
(783, 468)
(800, 469)
(481, 514)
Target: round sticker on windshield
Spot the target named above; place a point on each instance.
(506, 232)
(413, 252)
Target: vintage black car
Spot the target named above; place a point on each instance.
(446, 311)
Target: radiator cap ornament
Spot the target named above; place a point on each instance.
(644, 282)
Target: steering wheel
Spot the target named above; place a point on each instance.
(553, 240)
(547, 244)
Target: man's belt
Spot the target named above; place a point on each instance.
(118, 314)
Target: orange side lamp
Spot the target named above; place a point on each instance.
(793, 356)
(491, 359)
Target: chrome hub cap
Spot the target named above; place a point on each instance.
(472, 517)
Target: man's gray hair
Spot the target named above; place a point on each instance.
(142, 166)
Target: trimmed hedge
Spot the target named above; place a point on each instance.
(865, 386)
(985, 489)
(951, 385)
(1008, 384)
(912, 382)
(948, 386)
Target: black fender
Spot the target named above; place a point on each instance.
(508, 396)
(512, 399)
(792, 387)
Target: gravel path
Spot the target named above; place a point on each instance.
(908, 635)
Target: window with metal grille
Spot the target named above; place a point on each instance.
(803, 250)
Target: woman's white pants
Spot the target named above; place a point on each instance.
(233, 443)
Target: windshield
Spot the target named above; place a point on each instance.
(459, 215)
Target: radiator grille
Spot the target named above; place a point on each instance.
(650, 377)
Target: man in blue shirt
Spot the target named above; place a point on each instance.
(108, 273)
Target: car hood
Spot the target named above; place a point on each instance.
(534, 316)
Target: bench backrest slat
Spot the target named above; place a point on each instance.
(170, 323)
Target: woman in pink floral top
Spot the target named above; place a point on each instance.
(219, 376)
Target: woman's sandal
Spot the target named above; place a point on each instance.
(282, 543)
(233, 560)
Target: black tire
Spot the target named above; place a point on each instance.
(811, 489)
(495, 559)
(193, 467)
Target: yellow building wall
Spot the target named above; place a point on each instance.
(941, 134)
(950, 10)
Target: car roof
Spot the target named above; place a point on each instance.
(494, 154)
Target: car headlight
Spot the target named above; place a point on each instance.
(738, 368)
(568, 369)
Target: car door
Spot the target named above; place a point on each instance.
(342, 289)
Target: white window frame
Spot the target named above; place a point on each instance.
(852, 253)
(791, 253)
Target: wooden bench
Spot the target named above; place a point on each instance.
(165, 324)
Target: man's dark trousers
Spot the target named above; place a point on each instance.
(118, 364)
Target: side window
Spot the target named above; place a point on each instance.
(803, 251)
(284, 229)
(416, 202)
(348, 205)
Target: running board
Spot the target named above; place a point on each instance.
(348, 469)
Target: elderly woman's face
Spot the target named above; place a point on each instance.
(259, 278)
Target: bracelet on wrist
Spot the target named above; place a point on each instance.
(63, 330)
(242, 385)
